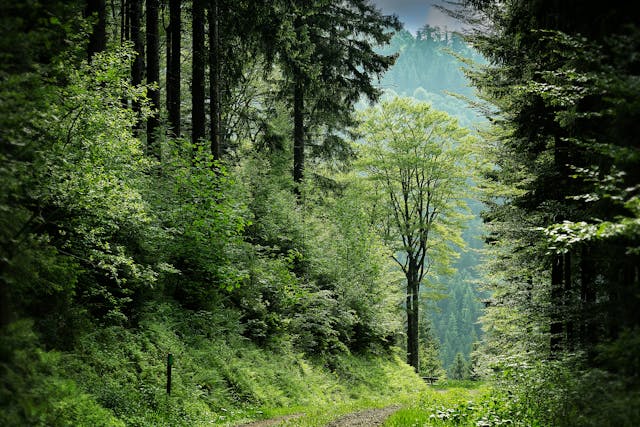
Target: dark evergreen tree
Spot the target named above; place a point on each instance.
(135, 22)
(561, 84)
(198, 73)
(331, 61)
(460, 368)
(96, 11)
(214, 79)
(174, 44)
(153, 76)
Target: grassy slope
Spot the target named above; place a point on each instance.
(116, 376)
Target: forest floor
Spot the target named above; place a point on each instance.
(370, 417)
(399, 412)
(366, 418)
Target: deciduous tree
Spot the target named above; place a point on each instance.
(419, 162)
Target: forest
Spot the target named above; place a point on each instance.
(300, 213)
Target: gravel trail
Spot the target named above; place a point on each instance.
(368, 418)
(272, 421)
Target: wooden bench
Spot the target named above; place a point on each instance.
(430, 380)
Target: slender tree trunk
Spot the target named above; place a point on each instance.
(413, 317)
(153, 77)
(298, 132)
(5, 302)
(588, 327)
(96, 9)
(167, 65)
(214, 80)
(556, 307)
(569, 306)
(197, 89)
(137, 68)
(173, 70)
(124, 21)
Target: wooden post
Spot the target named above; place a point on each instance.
(169, 364)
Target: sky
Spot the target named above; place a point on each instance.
(416, 13)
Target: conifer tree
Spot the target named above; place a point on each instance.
(332, 62)
(198, 74)
(153, 76)
(174, 65)
(95, 10)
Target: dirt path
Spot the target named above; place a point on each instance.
(272, 421)
(368, 418)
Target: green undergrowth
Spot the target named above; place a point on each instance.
(453, 403)
(116, 376)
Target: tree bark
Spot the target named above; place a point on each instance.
(556, 322)
(137, 68)
(298, 132)
(96, 9)
(413, 315)
(588, 336)
(124, 21)
(214, 80)
(153, 77)
(197, 88)
(568, 302)
(173, 70)
(5, 301)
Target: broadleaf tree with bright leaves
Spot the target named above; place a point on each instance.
(419, 163)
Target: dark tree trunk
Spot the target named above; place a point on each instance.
(167, 67)
(569, 307)
(197, 88)
(214, 80)
(298, 132)
(5, 302)
(96, 9)
(413, 316)
(588, 336)
(124, 21)
(153, 77)
(556, 307)
(137, 68)
(173, 69)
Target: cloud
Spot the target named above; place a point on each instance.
(417, 13)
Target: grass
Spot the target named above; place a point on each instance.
(116, 376)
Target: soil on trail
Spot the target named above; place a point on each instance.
(272, 421)
(369, 418)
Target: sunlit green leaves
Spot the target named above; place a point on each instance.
(420, 162)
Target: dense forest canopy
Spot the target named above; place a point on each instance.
(193, 184)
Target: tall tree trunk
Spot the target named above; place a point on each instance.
(298, 132)
(5, 295)
(137, 68)
(197, 89)
(96, 9)
(588, 327)
(569, 307)
(556, 320)
(413, 316)
(173, 70)
(214, 80)
(124, 21)
(153, 77)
